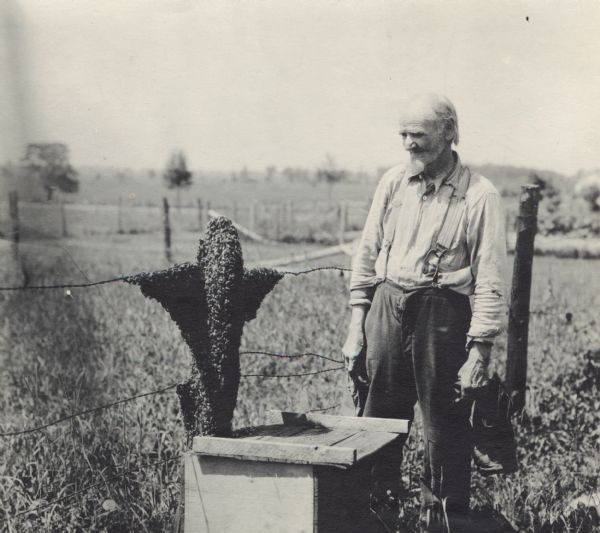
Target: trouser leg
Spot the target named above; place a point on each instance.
(440, 320)
(392, 392)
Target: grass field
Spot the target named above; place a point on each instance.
(61, 353)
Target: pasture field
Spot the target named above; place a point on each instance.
(117, 469)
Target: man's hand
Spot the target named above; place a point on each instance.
(353, 348)
(474, 373)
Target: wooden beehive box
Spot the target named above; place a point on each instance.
(300, 473)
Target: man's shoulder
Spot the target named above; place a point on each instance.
(392, 176)
(479, 186)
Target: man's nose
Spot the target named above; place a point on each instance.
(409, 143)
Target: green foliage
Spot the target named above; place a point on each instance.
(50, 163)
(329, 173)
(177, 175)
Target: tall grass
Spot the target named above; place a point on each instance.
(60, 354)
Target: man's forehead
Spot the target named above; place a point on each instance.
(419, 112)
(417, 122)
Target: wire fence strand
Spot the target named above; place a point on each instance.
(291, 356)
(88, 411)
(129, 276)
(334, 369)
(159, 391)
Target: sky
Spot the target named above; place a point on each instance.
(263, 82)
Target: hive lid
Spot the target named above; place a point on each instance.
(306, 438)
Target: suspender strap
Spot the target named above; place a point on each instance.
(454, 212)
(443, 240)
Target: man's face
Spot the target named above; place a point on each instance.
(423, 137)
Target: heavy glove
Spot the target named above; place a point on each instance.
(473, 375)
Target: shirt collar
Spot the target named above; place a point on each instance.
(451, 179)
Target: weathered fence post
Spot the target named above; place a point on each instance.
(167, 228)
(15, 229)
(289, 215)
(518, 317)
(252, 216)
(234, 211)
(343, 216)
(120, 230)
(201, 215)
(63, 220)
(277, 221)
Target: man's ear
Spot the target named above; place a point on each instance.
(449, 130)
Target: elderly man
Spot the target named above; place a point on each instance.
(433, 237)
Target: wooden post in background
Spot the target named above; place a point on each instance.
(167, 227)
(63, 220)
(518, 317)
(289, 215)
(234, 211)
(120, 216)
(252, 216)
(277, 221)
(15, 228)
(343, 215)
(202, 214)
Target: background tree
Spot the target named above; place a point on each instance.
(49, 162)
(176, 175)
(588, 188)
(270, 172)
(329, 174)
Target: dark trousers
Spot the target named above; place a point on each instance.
(415, 347)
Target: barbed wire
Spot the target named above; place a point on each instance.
(66, 285)
(291, 356)
(87, 411)
(320, 409)
(293, 375)
(90, 487)
(152, 393)
(129, 276)
(120, 475)
(314, 269)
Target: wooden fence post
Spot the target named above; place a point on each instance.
(167, 226)
(343, 215)
(15, 228)
(234, 211)
(252, 216)
(277, 221)
(289, 219)
(63, 220)
(518, 317)
(120, 216)
(201, 215)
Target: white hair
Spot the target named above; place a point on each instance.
(442, 108)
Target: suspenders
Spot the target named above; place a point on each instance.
(443, 239)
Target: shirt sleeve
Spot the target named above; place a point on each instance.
(486, 240)
(363, 278)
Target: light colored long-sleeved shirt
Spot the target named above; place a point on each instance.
(475, 263)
